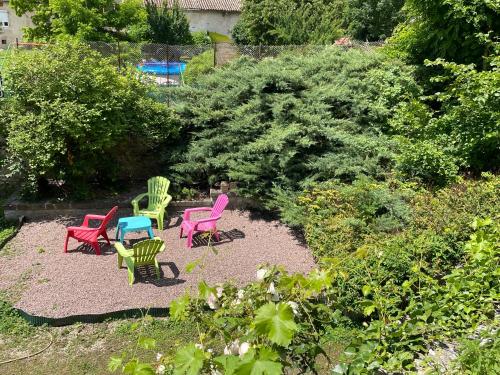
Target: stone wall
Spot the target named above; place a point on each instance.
(15, 208)
(219, 22)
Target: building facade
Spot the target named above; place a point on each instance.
(11, 25)
(218, 16)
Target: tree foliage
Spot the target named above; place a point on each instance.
(372, 20)
(272, 22)
(96, 20)
(72, 117)
(167, 24)
(459, 31)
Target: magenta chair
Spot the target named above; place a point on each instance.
(204, 225)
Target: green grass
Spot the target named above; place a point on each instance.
(219, 38)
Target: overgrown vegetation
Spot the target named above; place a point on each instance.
(286, 122)
(71, 117)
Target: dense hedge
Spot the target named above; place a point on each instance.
(72, 117)
(288, 121)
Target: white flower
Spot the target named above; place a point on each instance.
(233, 348)
(161, 369)
(244, 349)
(219, 290)
(241, 293)
(210, 351)
(212, 302)
(272, 291)
(294, 306)
(261, 274)
(159, 356)
(215, 372)
(199, 346)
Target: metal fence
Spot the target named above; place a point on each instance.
(166, 63)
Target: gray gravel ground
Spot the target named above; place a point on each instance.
(80, 282)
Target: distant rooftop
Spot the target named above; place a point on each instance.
(218, 5)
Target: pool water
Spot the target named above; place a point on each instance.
(163, 67)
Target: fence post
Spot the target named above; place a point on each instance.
(215, 54)
(260, 51)
(119, 57)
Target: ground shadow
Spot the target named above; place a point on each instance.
(86, 249)
(204, 239)
(147, 275)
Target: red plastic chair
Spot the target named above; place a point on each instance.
(90, 235)
(204, 225)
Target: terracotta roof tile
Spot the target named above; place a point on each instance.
(220, 5)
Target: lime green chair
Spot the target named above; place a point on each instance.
(158, 200)
(142, 254)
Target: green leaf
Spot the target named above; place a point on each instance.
(189, 360)
(259, 367)
(178, 307)
(147, 343)
(229, 363)
(276, 322)
(115, 363)
(136, 368)
(192, 265)
(367, 289)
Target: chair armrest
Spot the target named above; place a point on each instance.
(122, 251)
(92, 217)
(136, 200)
(167, 200)
(189, 211)
(83, 229)
(197, 222)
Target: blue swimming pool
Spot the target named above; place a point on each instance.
(163, 67)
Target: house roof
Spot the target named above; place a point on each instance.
(218, 5)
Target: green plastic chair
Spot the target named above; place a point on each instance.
(142, 253)
(158, 200)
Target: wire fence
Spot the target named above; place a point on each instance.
(166, 63)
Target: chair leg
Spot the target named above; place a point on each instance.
(66, 243)
(120, 261)
(96, 247)
(190, 239)
(105, 235)
(157, 268)
(182, 231)
(150, 232)
(159, 220)
(131, 277)
(216, 235)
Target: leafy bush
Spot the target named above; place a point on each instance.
(167, 23)
(289, 121)
(201, 38)
(462, 133)
(277, 324)
(470, 29)
(372, 20)
(72, 117)
(198, 66)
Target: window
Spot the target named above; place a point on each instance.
(4, 18)
(4, 41)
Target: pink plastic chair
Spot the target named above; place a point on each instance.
(203, 225)
(90, 235)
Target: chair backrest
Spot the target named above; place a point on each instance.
(157, 190)
(220, 205)
(108, 217)
(146, 251)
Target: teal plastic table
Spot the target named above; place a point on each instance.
(133, 224)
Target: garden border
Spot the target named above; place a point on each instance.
(37, 321)
(20, 223)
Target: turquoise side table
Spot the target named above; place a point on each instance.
(133, 224)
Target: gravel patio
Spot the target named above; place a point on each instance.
(57, 285)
